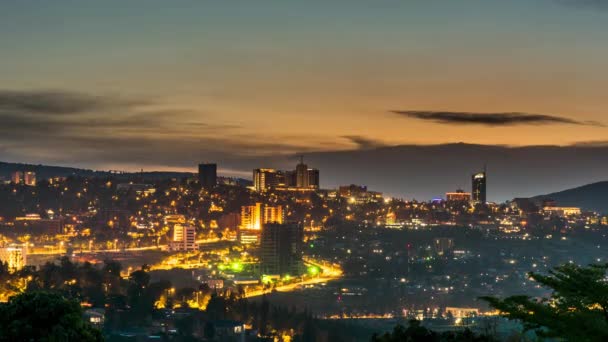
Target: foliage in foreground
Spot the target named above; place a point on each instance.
(44, 316)
(576, 311)
(416, 332)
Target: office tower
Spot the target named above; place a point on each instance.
(265, 179)
(29, 178)
(207, 175)
(290, 179)
(313, 178)
(302, 174)
(251, 217)
(17, 177)
(273, 214)
(281, 249)
(15, 257)
(458, 196)
(479, 187)
(184, 238)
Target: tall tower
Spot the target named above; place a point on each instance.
(479, 181)
(207, 175)
(281, 249)
(302, 174)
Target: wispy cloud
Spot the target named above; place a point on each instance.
(490, 119)
(364, 143)
(68, 127)
(40, 102)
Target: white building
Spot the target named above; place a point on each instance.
(14, 256)
(184, 238)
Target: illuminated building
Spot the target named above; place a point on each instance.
(273, 214)
(458, 196)
(443, 245)
(462, 312)
(302, 174)
(184, 238)
(391, 218)
(359, 194)
(479, 187)
(145, 189)
(281, 249)
(29, 178)
(351, 190)
(174, 219)
(265, 179)
(248, 237)
(207, 175)
(34, 224)
(302, 179)
(313, 178)
(15, 257)
(29, 217)
(251, 216)
(17, 177)
(562, 211)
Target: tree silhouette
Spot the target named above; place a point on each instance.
(576, 311)
(44, 316)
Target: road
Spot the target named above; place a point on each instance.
(328, 273)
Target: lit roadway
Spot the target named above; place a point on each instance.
(328, 272)
(62, 250)
(95, 251)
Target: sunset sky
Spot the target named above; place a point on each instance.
(106, 83)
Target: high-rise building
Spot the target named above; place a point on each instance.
(14, 256)
(281, 249)
(207, 175)
(479, 187)
(17, 177)
(265, 179)
(273, 214)
(251, 216)
(302, 178)
(184, 238)
(313, 178)
(29, 178)
(302, 174)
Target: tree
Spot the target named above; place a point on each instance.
(576, 311)
(44, 316)
(415, 332)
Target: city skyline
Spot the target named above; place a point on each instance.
(166, 86)
(271, 170)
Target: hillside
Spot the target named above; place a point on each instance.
(47, 171)
(589, 197)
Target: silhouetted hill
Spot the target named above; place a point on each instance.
(47, 171)
(427, 171)
(592, 197)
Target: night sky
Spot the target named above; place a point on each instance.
(165, 84)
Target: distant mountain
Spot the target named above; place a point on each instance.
(592, 197)
(427, 171)
(46, 171)
(418, 172)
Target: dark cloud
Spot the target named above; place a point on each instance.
(67, 128)
(490, 119)
(59, 102)
(364, 143)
